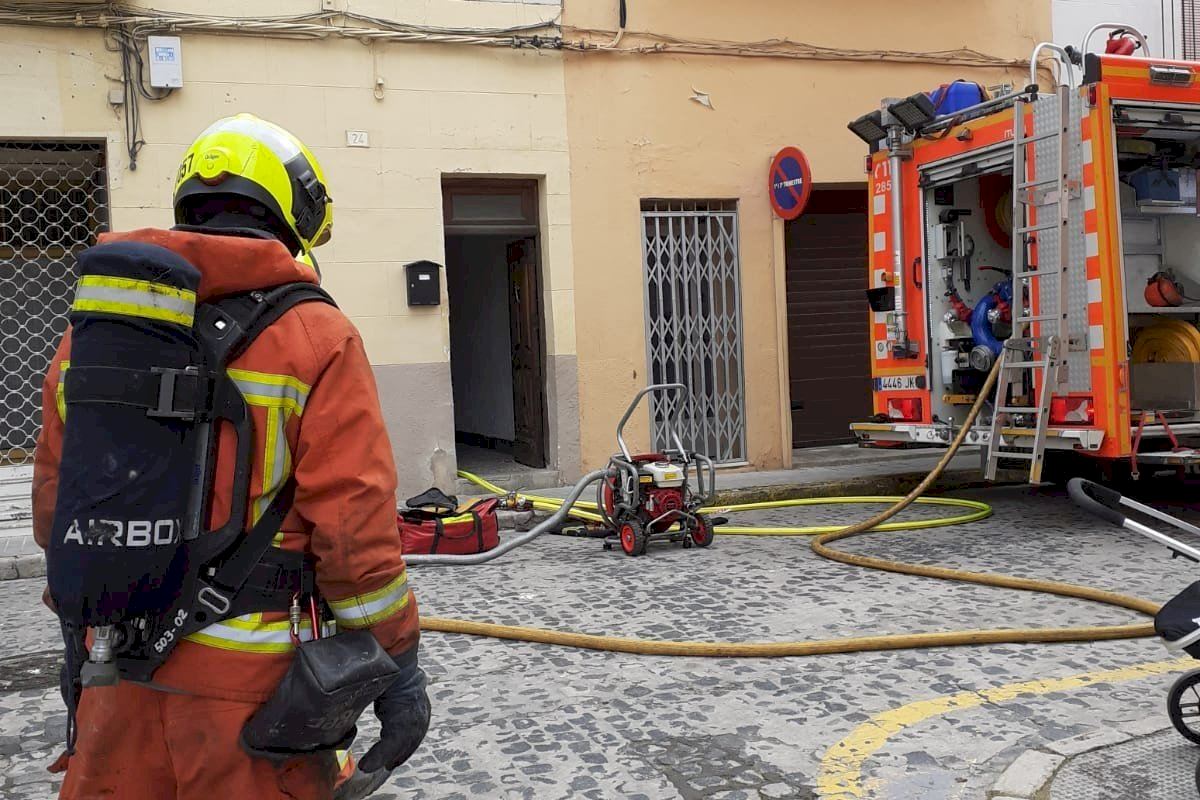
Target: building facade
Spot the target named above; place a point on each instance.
(672, 122)
(441, 126)
(588, 181)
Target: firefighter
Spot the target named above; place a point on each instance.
(250, 199)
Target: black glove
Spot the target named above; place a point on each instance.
(403, 712)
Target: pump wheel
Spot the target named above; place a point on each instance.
(1183, 706)
(702, 531)
(633, 538)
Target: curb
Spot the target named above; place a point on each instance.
(16, 567)
(1031, 774)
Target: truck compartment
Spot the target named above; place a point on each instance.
(1157, 154)
(968, 247)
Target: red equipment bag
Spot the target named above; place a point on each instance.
(444, 530)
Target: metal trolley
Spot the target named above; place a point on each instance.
(657, 496)
(1183, 700)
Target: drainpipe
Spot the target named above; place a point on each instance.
(896, 156)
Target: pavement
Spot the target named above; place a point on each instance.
(1161, 765)
(517, 720)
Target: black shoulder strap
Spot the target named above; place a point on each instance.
(227, 327)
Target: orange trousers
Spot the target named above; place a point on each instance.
(136, 743)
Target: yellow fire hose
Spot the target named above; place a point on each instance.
(820, 546)
(976, 511)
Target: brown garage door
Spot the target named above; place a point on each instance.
(828, 336)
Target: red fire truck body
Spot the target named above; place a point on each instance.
(1041, 245)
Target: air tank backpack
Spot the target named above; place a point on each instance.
(144, 394)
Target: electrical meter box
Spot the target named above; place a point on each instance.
(424, 287)
(166, 61)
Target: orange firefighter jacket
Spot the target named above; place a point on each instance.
(316, 414)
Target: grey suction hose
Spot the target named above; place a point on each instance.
(434, 560)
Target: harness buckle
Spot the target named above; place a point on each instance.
(167, 385)
(219, 604)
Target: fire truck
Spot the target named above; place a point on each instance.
(1053, 235)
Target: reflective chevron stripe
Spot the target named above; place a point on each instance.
(272, 391)
(281, 396)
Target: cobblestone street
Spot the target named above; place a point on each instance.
(529, 721)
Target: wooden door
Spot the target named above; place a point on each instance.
(528, 355)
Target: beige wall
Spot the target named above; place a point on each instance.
(444, 109)
(635, 133)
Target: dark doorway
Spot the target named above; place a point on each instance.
(828, 327)
(497, 353)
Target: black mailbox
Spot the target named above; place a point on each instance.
(424, 287)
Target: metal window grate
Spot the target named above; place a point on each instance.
(694, 321)
(53, 203)
(1189, 13)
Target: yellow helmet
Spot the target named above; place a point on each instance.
(248, 157)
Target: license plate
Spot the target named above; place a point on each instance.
(899, 383)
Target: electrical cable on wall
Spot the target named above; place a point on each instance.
(140, 22)
(133, 83)
(781, 48)
(545, 35)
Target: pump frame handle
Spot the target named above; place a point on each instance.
(669, 420)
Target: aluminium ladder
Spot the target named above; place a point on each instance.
(1033, 359)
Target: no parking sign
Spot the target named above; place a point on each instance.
(790, 182)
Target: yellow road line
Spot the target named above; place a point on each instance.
(840, 776)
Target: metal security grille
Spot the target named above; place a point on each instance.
(694, 322)
(1189, 28)
(53, 203)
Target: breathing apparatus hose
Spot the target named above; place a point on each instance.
(820, 545)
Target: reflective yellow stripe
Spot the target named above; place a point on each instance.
(364, 610)
(248, 634)
(60, 398)
(271, 379)
(134, 285)
(272, 391)
(287, 470)
(135, 298)
(272, 471)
